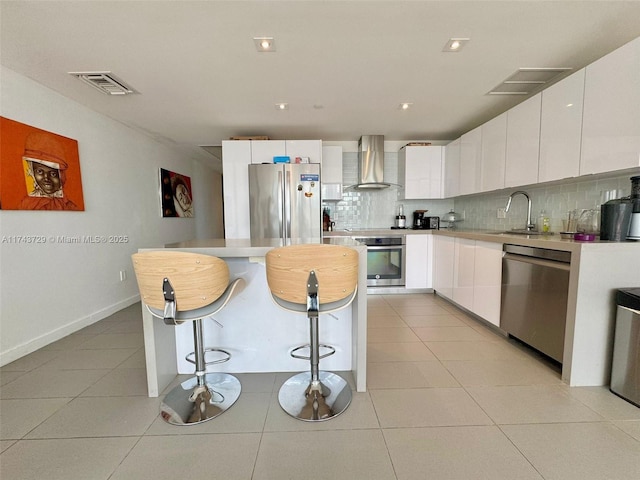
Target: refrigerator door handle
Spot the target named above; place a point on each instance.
(287, 203)
(281, 204)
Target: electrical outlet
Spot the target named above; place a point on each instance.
(123, 275)
(502, 213)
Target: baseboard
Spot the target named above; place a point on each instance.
(31, 346)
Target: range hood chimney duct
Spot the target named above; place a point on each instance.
(371, 163)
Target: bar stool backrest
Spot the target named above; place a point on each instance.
(336, 269)
(198, 280)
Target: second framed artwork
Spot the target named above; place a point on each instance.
(176, 196)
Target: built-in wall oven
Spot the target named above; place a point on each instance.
(386, 260)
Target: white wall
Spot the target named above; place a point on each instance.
(53, 289)
(207, 201)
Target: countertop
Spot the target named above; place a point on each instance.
(550, 241)
(241, 247)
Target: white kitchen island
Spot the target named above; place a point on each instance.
(258, 334)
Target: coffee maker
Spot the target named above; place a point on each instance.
(418, 219)
(634, 227)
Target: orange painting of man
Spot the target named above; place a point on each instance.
(39, 170)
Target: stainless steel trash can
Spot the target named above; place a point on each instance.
(625, 367)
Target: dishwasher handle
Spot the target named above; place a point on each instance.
(537, 261)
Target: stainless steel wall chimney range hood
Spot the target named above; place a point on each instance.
(370, 163)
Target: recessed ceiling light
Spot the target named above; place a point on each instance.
(455, 44)
(405, 106)
(282, 106)
(265, 44)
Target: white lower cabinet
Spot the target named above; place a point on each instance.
(463, 272)
(487, 281)
(419, 252)
(469, 273)
(443, 260)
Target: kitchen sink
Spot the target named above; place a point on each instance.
(522, 231)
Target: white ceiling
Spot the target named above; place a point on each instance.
(342, 66)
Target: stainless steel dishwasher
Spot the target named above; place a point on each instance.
(535, 285)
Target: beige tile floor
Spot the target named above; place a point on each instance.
(447, 398)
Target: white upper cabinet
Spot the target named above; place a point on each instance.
(611, 124)
(263, 151)
(236, 157)
(420, 170)
(311, 149)
(331, 164)
(470, 151)
(452, 169)
(494, 147)
(523, 143)
(331, 173)
(561, 129)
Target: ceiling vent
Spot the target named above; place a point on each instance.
(106, 82)
(528, 80)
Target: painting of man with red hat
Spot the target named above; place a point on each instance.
(39, 171)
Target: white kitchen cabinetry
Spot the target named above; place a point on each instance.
(463, 272)
(487, 281)
(331, 173)
(561, 129)
(236, 157)
(523, 143)
(419, 251)
(493, 157)
(420, 171)
(611, 119)
(470, 152)
(311, 149)
(469, 272)
(452, 169)
(263, 151)
(443, 263)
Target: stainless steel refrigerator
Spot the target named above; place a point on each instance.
(284, 200)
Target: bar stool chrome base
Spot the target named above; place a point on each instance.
(328, 398)
(190, 403)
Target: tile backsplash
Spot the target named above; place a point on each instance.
(481, 210)
(378, 208)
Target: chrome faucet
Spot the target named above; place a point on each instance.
(529, 226)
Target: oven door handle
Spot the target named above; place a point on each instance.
(385, 247)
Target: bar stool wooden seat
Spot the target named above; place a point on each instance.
(312, 280)
(183, 287)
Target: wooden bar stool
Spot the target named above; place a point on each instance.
(187, 287)
(313, 279)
